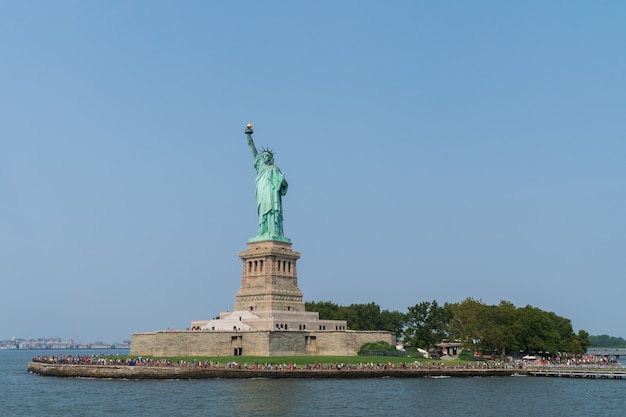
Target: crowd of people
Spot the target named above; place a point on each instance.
(587, 360)
(125, 361)
(573, 360)
(109, 361)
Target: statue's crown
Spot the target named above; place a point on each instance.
(268, 150)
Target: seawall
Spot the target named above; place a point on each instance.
(199, 372)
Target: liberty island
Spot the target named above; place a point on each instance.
(269, 320)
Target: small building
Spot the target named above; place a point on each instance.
(451, 349)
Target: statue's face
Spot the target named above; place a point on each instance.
(267, 157)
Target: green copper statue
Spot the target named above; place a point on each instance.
(270, 187)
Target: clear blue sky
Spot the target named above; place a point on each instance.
(434, 151)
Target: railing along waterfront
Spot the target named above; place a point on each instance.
(579, 371)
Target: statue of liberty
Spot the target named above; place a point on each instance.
(270, 186)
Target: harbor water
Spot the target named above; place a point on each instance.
(25, 394)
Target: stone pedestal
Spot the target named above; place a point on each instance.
(269, 279)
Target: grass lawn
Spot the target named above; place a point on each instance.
(304, 360)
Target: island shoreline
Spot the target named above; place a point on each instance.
(201, 372)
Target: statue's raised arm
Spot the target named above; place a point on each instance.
(249, 133)
(270, 186)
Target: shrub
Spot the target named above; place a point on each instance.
(377, 348)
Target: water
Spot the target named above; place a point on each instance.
(24, 394)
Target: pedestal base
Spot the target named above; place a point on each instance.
(264, 238)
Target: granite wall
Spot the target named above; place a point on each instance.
(254, 343)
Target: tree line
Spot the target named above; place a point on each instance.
(606, 341)
(480, 327)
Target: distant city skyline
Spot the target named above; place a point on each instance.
(471, 149)
(57, 343)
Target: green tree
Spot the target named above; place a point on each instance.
(363, 316)
(466, 322)
(392, 321)
(536, 330)
(585, 341)
(426, 324)
(499, 327)
(360, 316)
(505, 328)
(327, 309)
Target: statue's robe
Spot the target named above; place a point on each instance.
(270, 186)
